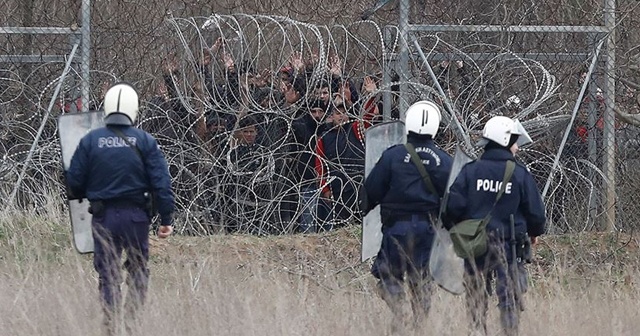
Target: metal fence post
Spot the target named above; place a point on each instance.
(609, 139)
(592, 141)
(388, 63)
(86, 54)
(403, 64)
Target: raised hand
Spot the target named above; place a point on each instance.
(296, 61)
(335, 68)
(261, 79)
(345, 91)
(206, 57)
(229, 63)
(284, 86)
(369, 85)
(217, 45)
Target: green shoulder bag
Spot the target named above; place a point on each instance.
(469, 237)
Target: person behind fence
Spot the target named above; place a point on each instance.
(408, 182)
(339, 162)
(322, 92)
(505, 195)
(249, 193)
(122, 172)
(306, 130)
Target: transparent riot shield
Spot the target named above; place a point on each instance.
(71, 128)
(447, 269)
(377, 139)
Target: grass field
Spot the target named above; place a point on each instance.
(295, 285)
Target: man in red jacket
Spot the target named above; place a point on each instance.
(340, 161)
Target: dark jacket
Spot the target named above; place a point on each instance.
(396, 184)
(340, 154)
(475, 189)
(105, 168)
(224, 93)
(250, 164)
(306, 131)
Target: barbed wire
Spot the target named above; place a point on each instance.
(195, 105)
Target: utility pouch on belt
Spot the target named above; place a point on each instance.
(150, 204)
(96, 208)
(469, 237)
(523, 248)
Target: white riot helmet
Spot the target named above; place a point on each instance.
(499, 129)
(423, 117)
(121, 105)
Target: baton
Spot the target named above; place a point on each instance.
(515, 271)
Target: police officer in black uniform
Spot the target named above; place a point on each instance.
(519, 213)
(407, 208)
(121, 171)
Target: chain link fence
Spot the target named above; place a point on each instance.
(230, 97)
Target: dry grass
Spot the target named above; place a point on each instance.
(297, 285)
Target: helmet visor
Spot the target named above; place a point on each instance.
(523, 138)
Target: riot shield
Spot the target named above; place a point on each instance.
(71, 128)
(447, 269)
(377, 139)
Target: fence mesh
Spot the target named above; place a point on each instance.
(230, 96)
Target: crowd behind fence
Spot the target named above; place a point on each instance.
(262, 118)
